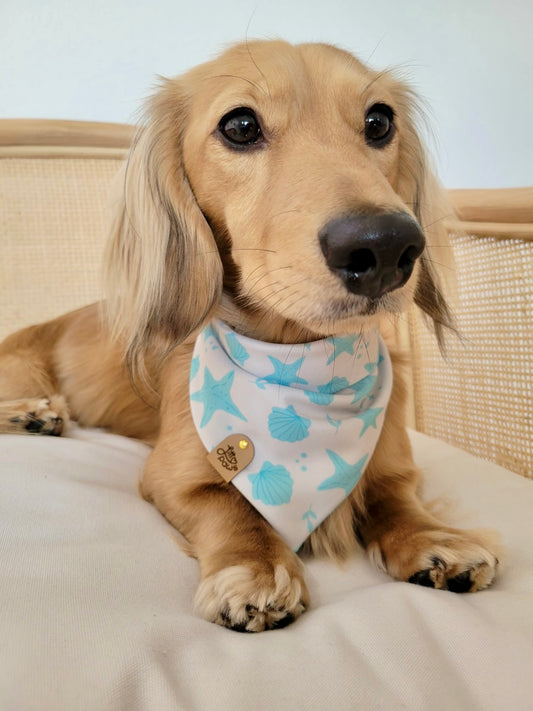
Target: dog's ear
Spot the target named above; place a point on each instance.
(436, 282)
(421, 189)
(162, 269)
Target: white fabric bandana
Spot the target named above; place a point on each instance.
(313, 412)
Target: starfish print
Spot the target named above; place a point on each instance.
(369, 367)
(216, 395)
(344, 344)
(346, 475)
(369, 418)
(285, 373)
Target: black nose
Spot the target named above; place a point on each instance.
(373, 253)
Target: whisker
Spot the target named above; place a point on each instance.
(236, 76)
(258, 68)
(228, 250)
(367, 61)
(297, 210)
(254, 286)
(271, 308)
(439, 264)
(378, 76)
(439, 219)
(248, 249)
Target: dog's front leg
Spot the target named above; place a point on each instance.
(399, 533)
(250, 579)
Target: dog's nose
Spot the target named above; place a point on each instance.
(373, 253)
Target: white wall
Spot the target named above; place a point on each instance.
(471, 59)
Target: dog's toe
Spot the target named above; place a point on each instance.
(458, 575)
(449, 559)
(41, 416)
(247, 600)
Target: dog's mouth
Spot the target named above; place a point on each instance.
(324, 307)
(361, 307)
(373, 306)
(367, 270)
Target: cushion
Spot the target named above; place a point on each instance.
(96, 601)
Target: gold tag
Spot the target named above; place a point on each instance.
(232, 455)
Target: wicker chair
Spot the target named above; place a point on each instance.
(481, 397)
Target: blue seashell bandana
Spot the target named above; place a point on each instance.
(312, 411)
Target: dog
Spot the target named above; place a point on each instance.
(277, 197)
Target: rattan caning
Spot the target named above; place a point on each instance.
(481, 397)
(53, 226)
(54, 195)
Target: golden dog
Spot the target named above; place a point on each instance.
(285, 190)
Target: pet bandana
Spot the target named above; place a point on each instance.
(291, 426)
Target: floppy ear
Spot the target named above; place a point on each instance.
(421, 189)
(436, 280)
(163, 271)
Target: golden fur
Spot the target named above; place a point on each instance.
(204, 229)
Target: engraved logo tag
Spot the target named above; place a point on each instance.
(232, 455)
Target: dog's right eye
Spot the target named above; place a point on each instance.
(241, 128)
(379, 125)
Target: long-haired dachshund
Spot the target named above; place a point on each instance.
(276, 210)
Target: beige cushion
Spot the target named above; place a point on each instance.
(96, 602)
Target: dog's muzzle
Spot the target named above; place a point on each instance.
(372, 254)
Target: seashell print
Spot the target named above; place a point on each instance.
(286, 425)
(325, 393)
(236, 350)
(363, 387)
(320, 397)
(272, 485)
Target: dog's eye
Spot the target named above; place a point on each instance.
(241, 127)
(379, 125)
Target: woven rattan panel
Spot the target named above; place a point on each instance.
(53, 217)
(481, 398)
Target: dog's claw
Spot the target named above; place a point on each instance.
(245, 601)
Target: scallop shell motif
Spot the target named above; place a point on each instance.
(272, 485)
(236, 350)
(363, 388)
(286, 425)
(325, 393)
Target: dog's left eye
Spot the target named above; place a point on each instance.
(241, 127)
(379, 125)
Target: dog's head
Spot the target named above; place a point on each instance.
(286, 183)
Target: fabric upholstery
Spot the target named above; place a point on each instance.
(96, 602)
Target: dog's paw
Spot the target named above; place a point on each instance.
(247, 599)
(460, 561)
(42, 416)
